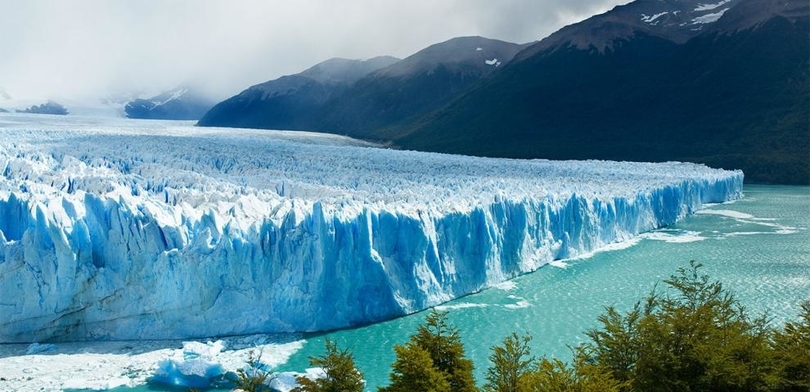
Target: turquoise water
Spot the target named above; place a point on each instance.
(767, 270)
(759, 247)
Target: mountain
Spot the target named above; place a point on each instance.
(388, 100)
(373, 106)
(673, 20)
(724, 84)
(292, 101)
(49, 107)
(180, 103)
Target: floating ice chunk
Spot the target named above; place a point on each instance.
(198, 368)
(190, 373)
(558, 264)
(518, 305)
(491, 62)
(621, 245)
(205, 350)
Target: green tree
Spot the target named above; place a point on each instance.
(614, 347)
(511, 363)
(341, 373)
(555, 376)
(442, 343)
(792, 352)
(413, 371)
(696, 337)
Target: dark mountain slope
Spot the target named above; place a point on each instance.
(736, 95)
(49, 107)
(378, 99)
(293, 101)
(384, 102)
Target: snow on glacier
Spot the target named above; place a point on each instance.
(122, 229)
(108, 365)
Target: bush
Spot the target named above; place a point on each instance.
(511, 363)
(341, 374)
(445, 361)
(792, 353)
(695, 337)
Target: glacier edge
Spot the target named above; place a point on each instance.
(95, 247)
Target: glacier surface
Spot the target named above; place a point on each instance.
(114, 229)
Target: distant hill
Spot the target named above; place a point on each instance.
(724, 84)
(382, 95)
(293, 101)
(180, 103)
(49, 107)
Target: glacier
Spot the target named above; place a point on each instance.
(115, 229)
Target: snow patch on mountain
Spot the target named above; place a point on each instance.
(709, 7)
(173, 95)
(709, 18)
(652, 18)
(123, 229)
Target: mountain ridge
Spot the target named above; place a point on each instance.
(291, 101)
(736, 96)
(393, 95)
(723, 83)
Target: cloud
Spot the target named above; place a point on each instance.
(85, 48)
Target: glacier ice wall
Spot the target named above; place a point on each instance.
(114, 229)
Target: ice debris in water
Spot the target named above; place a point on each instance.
(197, 368)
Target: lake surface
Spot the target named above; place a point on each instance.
(759, 247)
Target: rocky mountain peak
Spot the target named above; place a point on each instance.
(473, 54)
(673, 20)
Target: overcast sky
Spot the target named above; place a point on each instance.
(91, 48)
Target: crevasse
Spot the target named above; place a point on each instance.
(121, 232)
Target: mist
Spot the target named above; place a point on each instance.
(90, 49)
